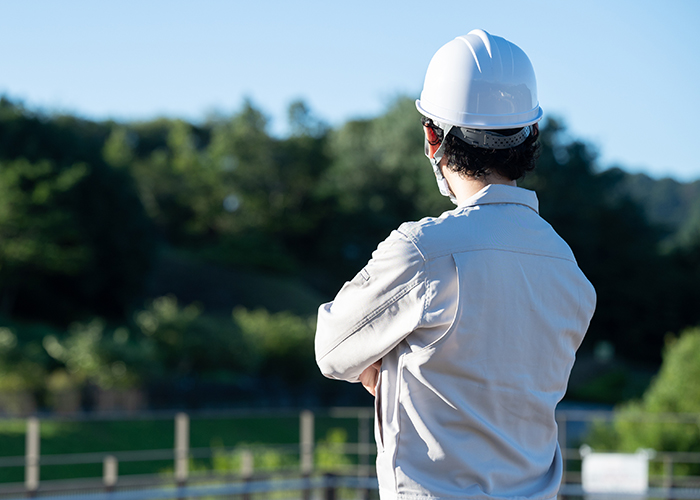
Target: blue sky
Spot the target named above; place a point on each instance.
(623, 75)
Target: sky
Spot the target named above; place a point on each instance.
(623, 76)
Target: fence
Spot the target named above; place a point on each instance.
(301, 472)
(664, 479)
(305, 473)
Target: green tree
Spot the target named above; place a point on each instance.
(39, 237)
(74, 224)
(282, 344)
(377, 179)
(118, 150)
(330, 452)
(185, 343)
(674, 390)
(34, 231)
(271, 208)
(91, 355)
(179, 188)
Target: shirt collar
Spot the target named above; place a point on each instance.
(501, 193)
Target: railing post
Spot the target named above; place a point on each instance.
(561, 423)
(247, 468)
(110, 468)
(329, 480)
(668, 471)
(364, 435)
(306, 448)
(182, 448)
(31, 457)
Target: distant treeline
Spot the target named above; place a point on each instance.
(99, 219)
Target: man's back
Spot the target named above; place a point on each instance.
(476, 316)
(467, 399)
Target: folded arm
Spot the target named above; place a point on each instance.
(372, 313)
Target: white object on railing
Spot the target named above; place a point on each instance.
(615, 473)
(31, 460)
(182, 447)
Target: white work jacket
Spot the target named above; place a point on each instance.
(476, 316)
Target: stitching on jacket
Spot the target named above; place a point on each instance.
(398, 417)
(502, 249)
(412, 238)
(428, 272)
(372, 315)
(457, 317)
(410, 235)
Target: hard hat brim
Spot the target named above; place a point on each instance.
(482, 122)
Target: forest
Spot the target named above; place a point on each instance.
(168, 264)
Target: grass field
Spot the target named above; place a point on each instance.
(108, 436)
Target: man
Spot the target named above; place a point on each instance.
(466, 326)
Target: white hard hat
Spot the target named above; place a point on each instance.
(480, 81)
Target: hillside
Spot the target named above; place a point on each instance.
(673, 205)
(219, 289)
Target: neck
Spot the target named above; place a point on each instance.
(465, 187)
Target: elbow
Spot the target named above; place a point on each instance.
(335, 366)
(326, 356)
(333, 361)
(327, 369)
(332, 367)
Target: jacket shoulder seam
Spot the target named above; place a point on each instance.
(504, 249)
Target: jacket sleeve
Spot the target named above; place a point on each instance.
(372, 313)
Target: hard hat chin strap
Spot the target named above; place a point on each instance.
(487, 139)
(435, 162)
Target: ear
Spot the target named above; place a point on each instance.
(433, 140)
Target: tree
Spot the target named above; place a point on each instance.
(180, 189)
(674, 390)
(282, 343)
(378, 178)
(38, 237)
(72, 226)
(271, 207)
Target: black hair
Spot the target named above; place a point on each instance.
(512, 163)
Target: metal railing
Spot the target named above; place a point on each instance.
(182, 480)
(665, 479)
(306, 475)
